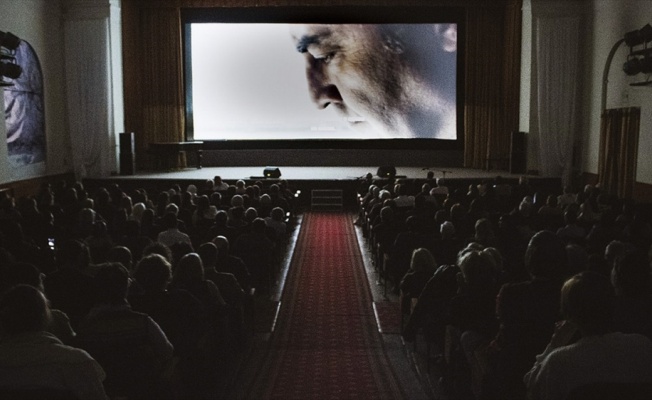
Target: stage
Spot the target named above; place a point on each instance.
(309, 179)
(314, 173)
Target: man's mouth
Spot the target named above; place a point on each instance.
(355, 120)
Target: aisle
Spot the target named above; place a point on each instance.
(326, 344)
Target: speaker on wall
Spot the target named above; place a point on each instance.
(272, 172)
(127, 153)
(518, 153)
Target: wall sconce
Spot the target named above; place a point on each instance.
(8, 67)
(639, 60)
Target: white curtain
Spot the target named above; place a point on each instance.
(87, 85)
(557, 54)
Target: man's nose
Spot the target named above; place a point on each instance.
(322, 91)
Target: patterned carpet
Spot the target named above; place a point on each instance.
(326, 344)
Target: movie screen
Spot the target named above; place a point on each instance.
(279, 81)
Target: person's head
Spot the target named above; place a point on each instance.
(386, 214)
(189, 268)
(221, 218)
(578, 258)
(423, 261)
(237, 201)
(22, 273)
(23, 309)
(251, 214)
(222, 244)
(587, 301)
(483, 228)
(277, 214)
(153, 272)
(384, 195)
(630, 275)
(208, 254)
(477, 270)
(137, 211)
(258, 226)
(545, 256)
(120, 254)
(617, 249)
(111, 284)
(394, 79)
(447, 230)
(160, 249)
(170, 221)
(73, 254)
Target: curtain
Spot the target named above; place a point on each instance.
(619, 130)
(492, 83)
(87, 84)
(557, 79)
(154, 99)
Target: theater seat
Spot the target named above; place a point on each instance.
(612, 391)
(33, 393)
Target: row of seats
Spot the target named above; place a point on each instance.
(159, 290)
(479, 271)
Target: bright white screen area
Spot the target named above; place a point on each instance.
(249, 83)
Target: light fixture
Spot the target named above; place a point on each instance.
(638, 37)
(639, 60)
(9, 41)
(8, 67)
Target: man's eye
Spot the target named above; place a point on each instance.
(326, 58)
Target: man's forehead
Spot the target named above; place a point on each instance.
(316, 34)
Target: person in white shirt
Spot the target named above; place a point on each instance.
(600, 355)
(172, 235)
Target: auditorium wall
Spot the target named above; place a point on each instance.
(40, 23)
(611, 19)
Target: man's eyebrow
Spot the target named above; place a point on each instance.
(307, 40)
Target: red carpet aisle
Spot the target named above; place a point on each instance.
(326, 344)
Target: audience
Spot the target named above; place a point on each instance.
(452, 292)
(32, 358)
(600, 355)
(129, 345)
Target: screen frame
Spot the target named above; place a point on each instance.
(326, 15)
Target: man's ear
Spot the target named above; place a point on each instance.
(448, 35)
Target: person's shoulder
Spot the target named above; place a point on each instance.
(517, 289)
(632, 339)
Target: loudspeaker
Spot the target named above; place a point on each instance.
(518, 153)
(127, 154)
(271, 172)
(386, 172)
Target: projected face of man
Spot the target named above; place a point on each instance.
(376, 80)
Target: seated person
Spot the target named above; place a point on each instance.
(28, 274)
(422, 268)
(527, 312)
(180, 314)
(189, 276)
(630, 278)
(71, 287)
(231, 264)
(30, 357)
(601, 355)
(129, 345)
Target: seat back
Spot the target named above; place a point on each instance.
(31, 393)
(612, 391)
